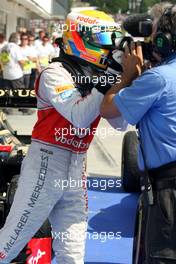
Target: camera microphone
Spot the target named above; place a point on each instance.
(138, 25)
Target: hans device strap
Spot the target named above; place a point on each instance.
(75, 70)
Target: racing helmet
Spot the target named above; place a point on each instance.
(89, 36)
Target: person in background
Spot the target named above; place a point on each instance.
(45, 52)
(27, 58)
(55, 43)
(11, 61)
(35, 62)
(38, 41)
(3, 42)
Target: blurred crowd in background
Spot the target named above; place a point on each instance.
(23, 56)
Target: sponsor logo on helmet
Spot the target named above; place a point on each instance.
(87, 20)
(103, 60)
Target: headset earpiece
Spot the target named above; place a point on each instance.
(165, 42)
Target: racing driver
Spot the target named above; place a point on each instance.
(68, 114)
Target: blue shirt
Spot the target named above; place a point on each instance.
(151, 102)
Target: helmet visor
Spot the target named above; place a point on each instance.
(102, 39)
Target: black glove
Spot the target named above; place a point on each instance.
(105, 82)
(110, 75)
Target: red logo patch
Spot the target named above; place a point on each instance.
(2, 255)
(41, 251)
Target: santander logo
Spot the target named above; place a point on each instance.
(87, 20)
(35, 259)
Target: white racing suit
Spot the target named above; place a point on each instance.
(50, 183)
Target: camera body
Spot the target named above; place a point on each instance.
(139, 27)
(147, 46)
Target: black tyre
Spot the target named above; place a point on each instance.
(45, 230)
(129, 171)
(2, 214)
(11, 191)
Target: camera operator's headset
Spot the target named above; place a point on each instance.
(165, 42)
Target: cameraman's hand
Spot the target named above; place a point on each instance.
(132, 62)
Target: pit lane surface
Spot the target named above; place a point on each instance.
(111, 211)
(110, 226)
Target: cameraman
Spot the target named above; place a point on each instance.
(150, 102)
